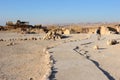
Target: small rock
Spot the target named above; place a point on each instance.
(47, 52)
(1, 40)
(21, 39)
(25, 39)
(77, 47)
(33, 38)
(112, 42)
(11, 44)
(31, 78)
(44, 50)
(87, 56)
(96, 47)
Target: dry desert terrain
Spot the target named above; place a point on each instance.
(76, 57)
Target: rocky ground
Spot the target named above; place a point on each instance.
(22, 59)
(76, 57)
(80, 60)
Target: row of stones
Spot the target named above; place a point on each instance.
(21, 39)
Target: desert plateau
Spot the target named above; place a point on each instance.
(59, 52)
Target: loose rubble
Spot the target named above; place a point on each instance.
(52, 35)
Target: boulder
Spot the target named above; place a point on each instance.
(67, 31)
(108, 30)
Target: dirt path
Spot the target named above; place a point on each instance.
(73, 65)
(69, 65)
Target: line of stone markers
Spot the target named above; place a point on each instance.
(21, 39)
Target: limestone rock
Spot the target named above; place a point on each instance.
(67, 31)
(52, 35)
(96, 47)
(108, 30)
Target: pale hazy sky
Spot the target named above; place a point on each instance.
(59, 11)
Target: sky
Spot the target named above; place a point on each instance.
(59, 11)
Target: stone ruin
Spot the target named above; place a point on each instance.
(53, 34)
(105, 30)
(24, 27)
(108, 30)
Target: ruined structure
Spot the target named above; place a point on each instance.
(108, 30)
(52, 34)
(24, 27)
(18, 24)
